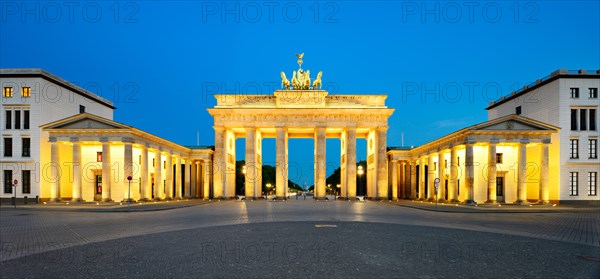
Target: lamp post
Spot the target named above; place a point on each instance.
(129, 193)
(360, 172)
(268, 191)
(338, 189)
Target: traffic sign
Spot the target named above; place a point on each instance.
(437, 180)
(15, 182)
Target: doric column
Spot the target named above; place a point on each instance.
(169, 176)
(106, 177)
(544, 187)
(127, 167)
(251, 169)
(431, 178)
(522, 173)
(452, 183)
(199, 180)
(178, 194)
(469, 173)
(413, 180)
(219, 163)
(422, 181)
(394, 179)
(351, 163)
(320, 167)
(491, 191)
(54, 171)
(187, 187)
(158, 181)
(382, 167)
(193, 173)
(281, 178)
(206, 176)
(145, 182)
(441, 174)
(76, 171)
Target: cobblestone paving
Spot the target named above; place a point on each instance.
(29, 231)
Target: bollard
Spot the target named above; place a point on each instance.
(25, 200)
(37, 199)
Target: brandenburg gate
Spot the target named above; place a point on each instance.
(300, 110)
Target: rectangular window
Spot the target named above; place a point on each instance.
(593, 93)
(518, 110)
(26, 119)
(81, 109)
(573, 120)
(593, 148)
(8, 181)
(499, 158)
(17, 119)
(8, 119)
(592, 183)
(26, 147)
(98, 156)
(26, 92)
(574, 92)
(573, 177)
(574, 149)
(26, 177)
(8, 92)
(583, 119)
(7, 147)
(592, 114)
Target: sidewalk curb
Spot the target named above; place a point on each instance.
(492, 210)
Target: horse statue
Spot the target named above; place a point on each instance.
(317, 83)
(295, 82)
(285, 83)
(306, 84)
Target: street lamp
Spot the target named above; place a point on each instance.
(244, 169)
(129, 192)
(360, 172)
(244, 173)
(268, 190)
(338, 189)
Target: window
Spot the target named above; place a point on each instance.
(8, 119)
(17, 119)
(573, 120)
(518, 110)
(98, 156)
(8, 181)
(573, 177)
(574, 92)
(26, 177)
(7, 147)
(81, 109)
(8, 92)
(583, 119)
(593, 93)
(499, 158)
(26, 147)
(593, 148)
(26, 119)
(592, 182)
(592, 113)
(574, 149)
(26, 92)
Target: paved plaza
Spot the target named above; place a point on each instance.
(298, 238)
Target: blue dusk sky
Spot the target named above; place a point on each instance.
(440, 63)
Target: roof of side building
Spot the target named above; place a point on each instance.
(560, 73)
(41, 73)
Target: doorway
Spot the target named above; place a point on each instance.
(97, 187)
(500, 188)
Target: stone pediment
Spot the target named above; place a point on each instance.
(84, 122)
(513, 123)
